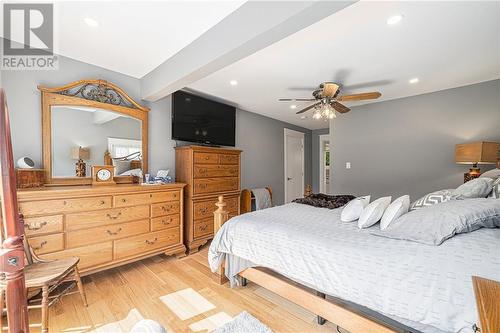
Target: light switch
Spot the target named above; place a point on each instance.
(347, 165)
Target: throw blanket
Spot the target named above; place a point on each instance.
(262, 198)
(325, 201)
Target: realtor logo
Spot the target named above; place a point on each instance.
(28, 41)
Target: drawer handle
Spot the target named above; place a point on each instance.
(207, 158)
(114, 233)
(203, 227)
(150, 195)
(165, 209)
(203, 186)
(35, 226)
(103, 202)
(114, 217)
(151, 242)
(203, 210)
(165, 222)
(203, 170)
(42, 244)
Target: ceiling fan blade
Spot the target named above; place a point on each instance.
(296, 99)
(307, 108)
(359, 97)
(340, 107)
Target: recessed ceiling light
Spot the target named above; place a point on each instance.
(414, 80)
(91, 22)
(394, 19)
(293, 106)
(233, 82)
(303, 117)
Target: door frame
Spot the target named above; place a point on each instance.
(300, 135)
(322, 139)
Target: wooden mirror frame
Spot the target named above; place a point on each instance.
(90, 93)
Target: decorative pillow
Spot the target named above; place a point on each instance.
(494, 174)
(352, 211)
(121, 166)
(397, 208)
(436, 224)
(373, 212)
(495, 192)
(476, 188)
(431, 199)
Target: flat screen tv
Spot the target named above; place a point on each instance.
(197, 119)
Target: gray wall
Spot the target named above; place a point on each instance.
(407, 146)
(315, 157)
(260, 138)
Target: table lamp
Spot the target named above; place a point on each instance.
(80, 154)
(476, 153)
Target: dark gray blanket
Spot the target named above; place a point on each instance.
(325, 201)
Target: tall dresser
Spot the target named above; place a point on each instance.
(208, 173)
(105, 226)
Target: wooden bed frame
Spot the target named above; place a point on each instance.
(349, 316)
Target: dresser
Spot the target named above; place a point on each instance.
(208, 173)
(105, 226)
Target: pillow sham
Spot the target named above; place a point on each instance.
(352, 211)
(495, 192)
(431, 199)
(397, 208)
(476, 188)
(494, 174)
(373, 212)
(434, 225)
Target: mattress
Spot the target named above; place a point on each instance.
(425, 287)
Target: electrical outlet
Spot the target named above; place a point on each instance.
(347, 165)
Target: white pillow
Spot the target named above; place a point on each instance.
(352, 211)
(397, 208)
(373, 212)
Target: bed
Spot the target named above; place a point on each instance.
(423, 288)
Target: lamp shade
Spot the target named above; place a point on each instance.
(477, 152)
(80, 153)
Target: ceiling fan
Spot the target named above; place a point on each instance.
(327, 100)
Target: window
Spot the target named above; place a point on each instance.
(124, 147)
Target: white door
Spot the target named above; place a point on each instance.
(294, 165)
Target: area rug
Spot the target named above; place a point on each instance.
(244, 323)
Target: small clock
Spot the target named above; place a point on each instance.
(103, 175)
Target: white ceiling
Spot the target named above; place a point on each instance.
(444, 44)
(133, 37)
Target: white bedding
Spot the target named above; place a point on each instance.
(420, 284)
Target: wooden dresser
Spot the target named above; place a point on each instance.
(208, 173)
(105, 226)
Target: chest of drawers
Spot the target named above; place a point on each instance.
(105, 226)
(208, 172)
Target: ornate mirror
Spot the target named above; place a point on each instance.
(92, 122)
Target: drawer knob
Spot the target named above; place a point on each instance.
(34, 227)
(203, 227)
(42, 244)
(111, 233)
(207, 158)
(165, 222)
(124, 200)
(114, 217)
(203, 210)
(151, 242)
(151, 195)
(103, 202)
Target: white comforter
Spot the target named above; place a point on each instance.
(419, 284)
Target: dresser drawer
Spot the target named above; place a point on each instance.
(47, 243)
(43, 224)
(90, 255)
(205, 158)
(206, 208)
(165, 222)
(229, 159)
(137, 245)
(210, 185)
(106, 233)
(167, 208)
(64, 205)
(201, 171)
(108, 216)
(203, 227)
(144, 198)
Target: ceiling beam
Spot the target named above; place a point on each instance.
(252, 27)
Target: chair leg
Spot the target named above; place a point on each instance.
(45, 309)
(80, 287)
(1, 309)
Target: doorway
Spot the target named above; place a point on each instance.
(324, 164)
(294, 164)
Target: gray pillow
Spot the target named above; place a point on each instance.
(494, 174)
(437, 223)
(476, 188)
(431, 199)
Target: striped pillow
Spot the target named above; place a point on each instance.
(431, 199)
(495, 192)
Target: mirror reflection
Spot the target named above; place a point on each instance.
(84, 136)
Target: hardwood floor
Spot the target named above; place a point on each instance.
(121, 296)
